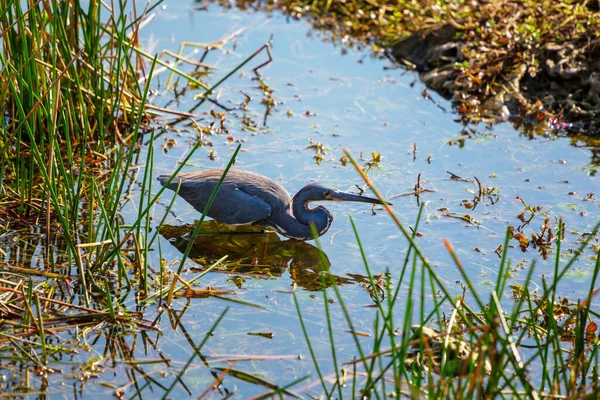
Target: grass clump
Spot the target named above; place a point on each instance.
(505, 341)
(73, 109)
(76, 157)
(69, 82)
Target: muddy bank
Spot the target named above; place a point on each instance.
(557, 88)
(534, 63)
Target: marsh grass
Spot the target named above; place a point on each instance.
(73, 112)
(519, 341)
(75, 90)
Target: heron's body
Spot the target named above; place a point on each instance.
(249, 198)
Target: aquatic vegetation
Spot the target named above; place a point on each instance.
(531, 61)
(534, 344)
(77, 139)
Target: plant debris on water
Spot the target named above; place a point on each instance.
(534, 62)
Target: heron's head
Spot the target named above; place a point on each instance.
(318, 192)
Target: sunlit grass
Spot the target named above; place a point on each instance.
(519, 341)
(75, 116)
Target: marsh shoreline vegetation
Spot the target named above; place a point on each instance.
(77, 138)
(534, 63)
(505, 341)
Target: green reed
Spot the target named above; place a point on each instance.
(536, 347)
(75, 119)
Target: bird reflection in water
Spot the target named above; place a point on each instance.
(253, 252)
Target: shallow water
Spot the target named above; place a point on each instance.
(337, 101)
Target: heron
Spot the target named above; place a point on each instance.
(250, 198)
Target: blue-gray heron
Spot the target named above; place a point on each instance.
(249, 198)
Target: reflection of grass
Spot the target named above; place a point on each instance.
(485, 343)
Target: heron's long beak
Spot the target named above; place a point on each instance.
(343, 196)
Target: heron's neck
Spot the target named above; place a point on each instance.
(297, 223)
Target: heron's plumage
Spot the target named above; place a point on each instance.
(239, 200)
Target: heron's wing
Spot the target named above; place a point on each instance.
(243, 198)
(239, 207)
(231, 205)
